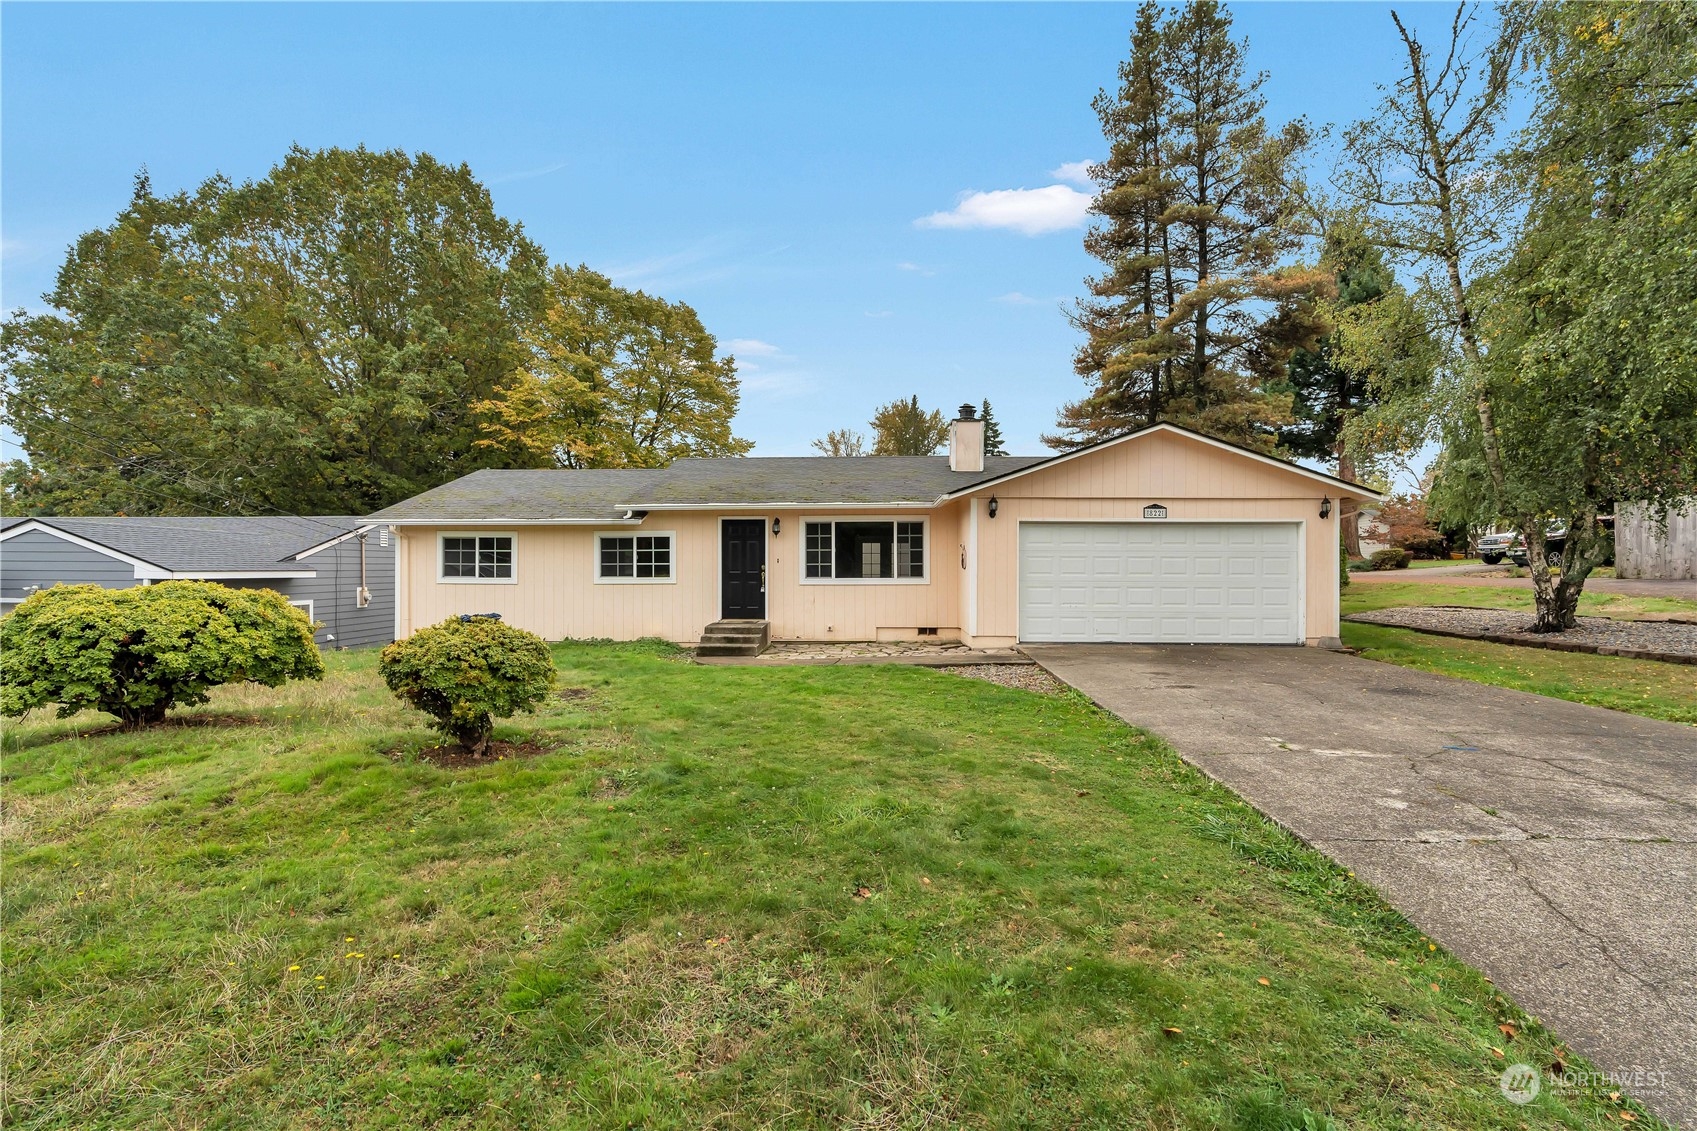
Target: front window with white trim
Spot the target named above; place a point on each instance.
(477, 557)
(864, 550)
(633, 557)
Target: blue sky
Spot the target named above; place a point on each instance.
(796, 173)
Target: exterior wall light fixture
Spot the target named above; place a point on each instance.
(994, 506)
(1326, 507)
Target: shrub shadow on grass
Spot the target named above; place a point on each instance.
(75, 729)
(453, 756)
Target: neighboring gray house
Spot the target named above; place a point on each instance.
(340, 569)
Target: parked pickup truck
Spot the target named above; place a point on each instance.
(1555, 541)
(1493, 548)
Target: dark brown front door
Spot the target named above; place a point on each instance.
(742, 557)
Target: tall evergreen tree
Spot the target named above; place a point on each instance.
(1377, 345)
(993, 445)
(1194, 319)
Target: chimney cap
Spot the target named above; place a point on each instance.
(968, 412)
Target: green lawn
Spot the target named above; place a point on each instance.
(1444, 562)
(875, 897)
(1642, 687)
(1365, 596)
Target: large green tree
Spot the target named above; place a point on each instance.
(311, 341)
(349, 330)
(1590, 369)
(1378, 347)
(902, 428)
(615, 378)
(1196, 311)
(1560, 268)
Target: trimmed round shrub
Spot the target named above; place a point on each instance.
(136, 653)
(1390, 558)
(467, 672)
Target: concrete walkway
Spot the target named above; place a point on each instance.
(1549, 844)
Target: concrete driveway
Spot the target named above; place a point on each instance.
(1551, 845)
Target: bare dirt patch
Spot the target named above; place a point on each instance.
(453, 756)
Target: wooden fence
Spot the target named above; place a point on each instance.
(1642, 549)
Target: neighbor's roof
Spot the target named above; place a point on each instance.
(603, 496)
(206, 545)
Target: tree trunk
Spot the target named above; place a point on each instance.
(1349, 515)
(135, 718)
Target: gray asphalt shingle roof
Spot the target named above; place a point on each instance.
(209, 545)
(602, 495)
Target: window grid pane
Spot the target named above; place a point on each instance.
(818, 549)
(459, 557)
(910, 549)
(647, 556)
(495, 556)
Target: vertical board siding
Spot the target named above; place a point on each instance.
(1194, 480)
(1642, 549)
(556, 593)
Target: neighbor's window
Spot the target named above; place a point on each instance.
(484, 557)
(864, 551)
(640, 557)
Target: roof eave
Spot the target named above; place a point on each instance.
(1356, 489)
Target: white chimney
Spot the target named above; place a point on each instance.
(966, 441)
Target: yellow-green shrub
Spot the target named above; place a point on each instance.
(136, 653)
(467, 673)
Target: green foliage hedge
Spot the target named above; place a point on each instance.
(136, 653)
(1389, 558)
(467, 673)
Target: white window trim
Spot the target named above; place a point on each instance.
(305, 603)
(446, 534)
(627, 533)
(926, 560)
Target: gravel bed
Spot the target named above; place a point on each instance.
(1649, 639)
(1027, 677)
(830, 650)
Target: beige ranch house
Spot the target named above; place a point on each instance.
(1161, 535)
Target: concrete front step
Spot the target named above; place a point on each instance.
(735, 638)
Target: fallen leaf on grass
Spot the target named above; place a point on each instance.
(863, 892)
(1507, 1030)
(1264, 981)
(1172, 1030)
(1496, 1050)
(1629, 1117)
(1434, 987)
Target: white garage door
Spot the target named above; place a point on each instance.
(1159, 582)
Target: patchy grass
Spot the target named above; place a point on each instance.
(1444, 562)
(872, 897)
(1640, 687)
(1395, 594)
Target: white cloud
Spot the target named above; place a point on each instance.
(1031, 212)
(751, 347)
(905, 266)
(1074, 173)
(1015, 298)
